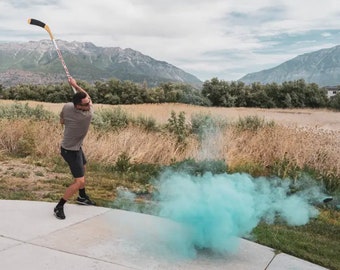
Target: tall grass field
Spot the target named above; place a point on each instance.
(128, 146)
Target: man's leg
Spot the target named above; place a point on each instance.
(73, 189)
(69, 192)
(83, 198)
(76, 161)
(82, 192)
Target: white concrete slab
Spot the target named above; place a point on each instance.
(284, 261)
(147, 242)
(6, 243)
(30, 257)
(102, 238)
(24, 220)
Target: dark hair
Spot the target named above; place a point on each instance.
(77, 97)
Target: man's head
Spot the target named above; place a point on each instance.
(81, 101)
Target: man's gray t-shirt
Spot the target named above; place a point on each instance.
(77, 124)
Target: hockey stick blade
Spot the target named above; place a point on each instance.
(41, 24)
(45, 26)
(36, 22)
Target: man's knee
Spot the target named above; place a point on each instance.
(80, 181)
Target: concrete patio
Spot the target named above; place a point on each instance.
(103, 238)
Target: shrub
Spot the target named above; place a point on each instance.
(252, 123)
(194, 167)
(202, 124)
(123, 163)
(176, 125)
(147, 123)
(111, 119)
(19, 111)
(27, 143)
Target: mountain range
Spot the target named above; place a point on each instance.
(37, 62)
(321, 67)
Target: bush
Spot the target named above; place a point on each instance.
(123, 163)
(27, 143)
(203, 124)
(176, 125)
(21, 111)
(148, 123)
(194, 167)
(111, 119)
(252, 123)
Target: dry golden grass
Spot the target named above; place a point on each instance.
(315, 118)
(141, 146)
(298, 147)
(300, 138)
(297, 143)
(43, 139)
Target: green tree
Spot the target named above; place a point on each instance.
(315, 97)
(1, 90)
(287, 102)
(334, 102)
(212, 90)
(155, 95)
(132, 93)
(221, 93)
(260, 99)
(273, 92)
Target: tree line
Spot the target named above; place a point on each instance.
(113, 92)
(292, 94)
(214, 92)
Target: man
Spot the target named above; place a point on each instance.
(76, 117)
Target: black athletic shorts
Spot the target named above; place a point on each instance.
(75, 160)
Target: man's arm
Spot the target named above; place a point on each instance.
(61, 118)
(74, 84)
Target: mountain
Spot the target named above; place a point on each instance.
(321, 67)
(37, 62)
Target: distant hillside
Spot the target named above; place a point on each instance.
(37, 62)
(321, 67)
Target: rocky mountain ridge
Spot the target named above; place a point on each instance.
(321, 67)
(38, 62)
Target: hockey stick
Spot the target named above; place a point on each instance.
(45, 26)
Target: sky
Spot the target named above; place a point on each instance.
(226, 39)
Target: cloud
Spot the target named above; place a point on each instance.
(217, 38)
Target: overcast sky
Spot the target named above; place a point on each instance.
(217, 38)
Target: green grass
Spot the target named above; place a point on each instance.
(317, 242)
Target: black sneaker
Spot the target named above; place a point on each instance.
(85, 201)
(59, 212)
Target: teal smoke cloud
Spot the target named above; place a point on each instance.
(219, 209)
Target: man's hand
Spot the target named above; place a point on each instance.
(73, 82)
(74, 85)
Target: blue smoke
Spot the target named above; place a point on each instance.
(219, 209)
